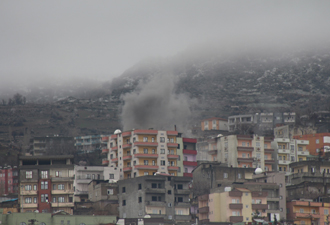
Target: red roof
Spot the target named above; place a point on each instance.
(189, 140)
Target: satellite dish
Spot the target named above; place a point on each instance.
(258, 171)
(117, 131)
(147, 216)
(219, 135)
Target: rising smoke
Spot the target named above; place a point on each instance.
(155, 104)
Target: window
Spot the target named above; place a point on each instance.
(146, 173)
(28, 187)
(28, 174)
(301, 210)
(239, 176)
(154, 198)
(313, 211)
(153, 151)
(162, 151)
(258, 144)
(326, 211)
(140, 199)
(88, 176)
(123, 189)
(180, 199)
(266, 157)
(162, 162)
(145, 162)
(60, 199)
(153, 185)
(35, 200)
(28, 200)
(153, 162)
(54, 199)
(145, 151)
(292, 158)
(169, 192)
(111, 176)
(44, 185)
(54, 186)
(258, 156)
(44, 174)
(180, 186)
(243, 155)
(145, 139)
(134, 163)
(243, 143)
(317, 141)
(44, 198)
(225, 175)
(93, 176)
(162, 139)
(110, 191)
(300, 148)
(140, 186)
(247, 144)
(152, 139)
(172, 140)
(265, 146)
(60, 187)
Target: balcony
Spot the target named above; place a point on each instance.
(235, 194)
(126, 169)
(155, 132)
(302, 153)
(173, 168)
(307, 215)
(236, 219)
(259, 206)
(142, 155)
(127, 145)
(245, 159)
(146, 167)
(113, 137)
(284, 162)
(204, 209)
(64, 192)
(187, 174)
(245, 149)
(212, 152)
(204, 197)
(28, 192)
(189, 152)
(302, 142)
(105, 139)
(152, 144)
(172, 156)
(182, 191)
(273, 199)
(155, 191)
(269, 150)
(114, 160)
(235, 206)
(62, 179)
(115, 148)
(283, 151)
(245, 137)
(269, 161)
(127, 157)
(29, 205)
(156, 203)
(188, 163)
(105, 151)
(126, 134)
(174, 145)
(62, 204)
(105, 162)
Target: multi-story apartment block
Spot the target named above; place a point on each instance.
(46, 183)
(232, 205)
(189, 156)
(85, 174)
(8, 180)
(251, 151)
(214, 123)
(90, 143)
(159, 196)
(52, 145)
(203, 147)
(288, 151)
(143, 152)
(307, 212)
(317, 142)
(264, 121)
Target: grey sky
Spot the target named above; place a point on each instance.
(104, 38)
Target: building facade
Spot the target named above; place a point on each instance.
(8, 180)
(189, 156)
(214, 123)
(159, 196)
(52, 145)
(306, 212)
(317, 142)
(143, 152)
(90, 143)
(46, 183)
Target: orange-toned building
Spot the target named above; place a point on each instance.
(317, 142)
(214, 123)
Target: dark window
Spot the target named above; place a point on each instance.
(169, 192)
(124, 190)
(178, 146)
(169, 178)
(154, 198)
(159, 185)
(159, 198)
(180, 186)
(140, 186)
(153, 185)
(140, 199)
(124, 202)
(180, 199)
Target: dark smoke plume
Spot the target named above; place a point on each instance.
(155, 104)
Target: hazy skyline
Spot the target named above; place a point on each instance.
(101, 39)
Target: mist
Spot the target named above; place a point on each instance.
(155, 104)
(100, 40)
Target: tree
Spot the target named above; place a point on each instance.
(18, 99)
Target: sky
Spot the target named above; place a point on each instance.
(101, 39)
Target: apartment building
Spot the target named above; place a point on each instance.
(46, 183)
(8, 180)
(52, 145)
(189, 156)
(307, 212)
(159, 196)
(251, 151)
(214, 123)
(143, 152)
(90, 143)
(289, 151)
(319, 142)
(232, 205)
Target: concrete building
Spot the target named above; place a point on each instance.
(307, 212)
(276, 198)
(289, 151)
(232, 205)
(52, 145)
(214, 123)
(317, 142)
(189, 156)
(143, 152)
(90, 143)
(46, 183)
(158, 196)
(8, 180)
